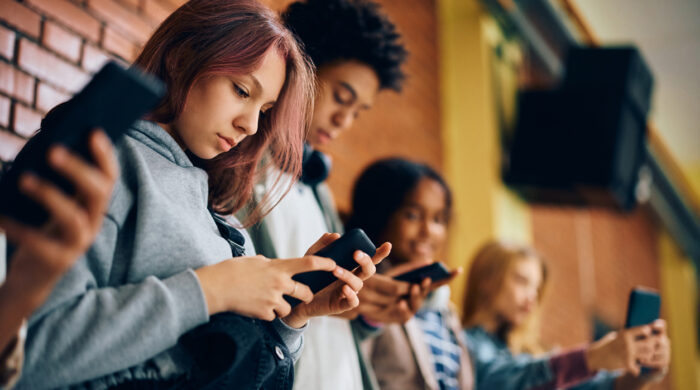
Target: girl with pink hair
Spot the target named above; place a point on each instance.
(169, 294)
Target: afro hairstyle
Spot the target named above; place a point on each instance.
(332, 30)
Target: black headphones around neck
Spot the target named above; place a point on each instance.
(315, 166)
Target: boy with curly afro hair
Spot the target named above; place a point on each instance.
(357, 52)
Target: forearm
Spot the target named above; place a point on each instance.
(16, 305)
(115, 328)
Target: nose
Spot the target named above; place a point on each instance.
(343, 118)
(531, 297)
(247, 121)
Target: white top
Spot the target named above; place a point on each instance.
(329, 359)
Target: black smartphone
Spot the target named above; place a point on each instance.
(112, 100)
(341, 251)
(643, 307)
(435, 271)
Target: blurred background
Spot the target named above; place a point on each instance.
(459, 111)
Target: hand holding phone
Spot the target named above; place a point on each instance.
(112, 101)
(642, 309)
(341, 251)
(436, 272)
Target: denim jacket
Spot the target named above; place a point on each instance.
(497, 368)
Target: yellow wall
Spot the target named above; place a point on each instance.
(483, 208)
(680, 305)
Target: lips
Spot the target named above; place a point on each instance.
(323, 137)
(423, 248)
(225, 143)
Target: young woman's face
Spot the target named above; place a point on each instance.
(345, 89)
(220, 111)
(418, 229)
(519, 293)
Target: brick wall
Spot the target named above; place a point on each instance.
(49, 49)
(406, 124)
(595, 257)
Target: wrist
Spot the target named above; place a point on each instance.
(296, 319)
(22, 298)
(211, 298)
(592, 359)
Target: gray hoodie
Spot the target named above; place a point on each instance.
(118, 313)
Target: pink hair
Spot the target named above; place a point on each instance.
(231, 37)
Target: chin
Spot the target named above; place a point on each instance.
(205, 154)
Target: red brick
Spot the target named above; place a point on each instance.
(61, 41)
(156, 11)
(15, 83)
(23, 18)
(47, 97)
(132, 4)
(70, 15)
(47, 66)
(4, 111)
(174, 4)
(7, 43)
(117, 44)
(93, 58)
(26, 121)
(10, 145)
(120, 18)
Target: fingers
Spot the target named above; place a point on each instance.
(348, 278)
(396, 313)
(322, 242)
(53, 254)
(418, 294)
(282, 309)
(639, 332)
(93, 188)
(103, 155)
(370, 294)
(306, 264)
(658, 326)
(300, 291)
(367, 267)
(72, 220)
(381, 253)
(660, 356)
(385, 285)
(351, 299)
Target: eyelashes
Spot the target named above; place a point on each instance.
(240, 91)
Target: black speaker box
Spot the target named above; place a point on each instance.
(582, 144)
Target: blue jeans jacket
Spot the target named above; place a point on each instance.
(497, 368)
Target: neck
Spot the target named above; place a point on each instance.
(170, 130)
(491, 322)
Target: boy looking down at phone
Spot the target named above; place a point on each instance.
(357, 53)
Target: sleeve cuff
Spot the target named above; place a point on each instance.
(570, 367)
(189, 299)
(292, 337)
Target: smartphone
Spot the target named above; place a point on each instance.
(112, 100)
(643, 307)
(341, 251)
(435, 271)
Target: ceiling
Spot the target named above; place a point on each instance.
(668, 34)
